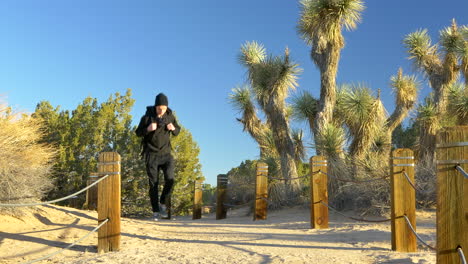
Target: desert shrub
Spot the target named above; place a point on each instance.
(426, 181)
(24, 162)
(371, 197)
(241, 187)
(241, 183)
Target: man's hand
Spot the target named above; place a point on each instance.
(170, 127)
(152, 127)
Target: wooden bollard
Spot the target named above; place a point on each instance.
(197, 200)
(261, 192)
(319, 192)
(452, 194)
(92, 193)
(403, 200)
(109, 202)
(221, 189)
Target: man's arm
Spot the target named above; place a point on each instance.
(142, 130)
(176, 129)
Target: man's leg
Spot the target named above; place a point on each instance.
(168, 170)
(152, 169)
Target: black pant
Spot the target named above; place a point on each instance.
(153, 164)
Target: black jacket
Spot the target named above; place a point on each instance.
(157, 141)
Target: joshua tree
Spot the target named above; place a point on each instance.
(241, 99)
(332, 137)
(458, 103)
(271, 78)
(320, 25)
(260, 131)
(462, 51)
(406, 92)
(363, 115)
(299, 150)
(440, 64)
(305, 108)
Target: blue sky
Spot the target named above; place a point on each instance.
(64, 51)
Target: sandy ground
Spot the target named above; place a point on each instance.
(284, 238)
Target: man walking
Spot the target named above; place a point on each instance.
(155, 127)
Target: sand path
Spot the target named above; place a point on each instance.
(284, 238)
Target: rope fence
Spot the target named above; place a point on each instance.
(401, 170)
(108, 209)
(234, 206)
(416, 234)
(69, 246)
(354, 218)
(463, 172)
(462, 256)
(403, 188)
(354, 181)
(57, 200)
(237, 185)
(410, 182)
(296, 178)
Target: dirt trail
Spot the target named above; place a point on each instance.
(284, 238)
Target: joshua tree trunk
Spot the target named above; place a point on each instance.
(440, 63)
(440, 81)
(328, 64)
(393, 121)
(440, 86)
(360, 147)
(427, 146)
(464, 67)
(283, 141)
(256, 132)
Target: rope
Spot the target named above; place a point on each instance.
(409, 180)
(462, 256)
(300, 177)
(69, 246)
(56, 200)
(353, 218)
(284, 179)
(416, 234)
(240, 185)
(236, 205)
(460, 169)
(186, 185)
(343, 180)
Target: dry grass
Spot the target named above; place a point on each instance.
(426, 182)
(24, 162)
(366, 198)
(374, 197)
(241, 187)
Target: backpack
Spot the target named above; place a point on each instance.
(149, 117)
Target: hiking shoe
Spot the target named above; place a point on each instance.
(156, 216)
(163, 211)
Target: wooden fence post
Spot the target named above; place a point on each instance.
(261, 192)
(221, 189)
(403, 200)
(197, 200)
(91, 194)
(452, 194)
(109, 202)
(319, 192)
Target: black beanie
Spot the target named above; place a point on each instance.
(161, 99)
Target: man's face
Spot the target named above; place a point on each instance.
(161, 109)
